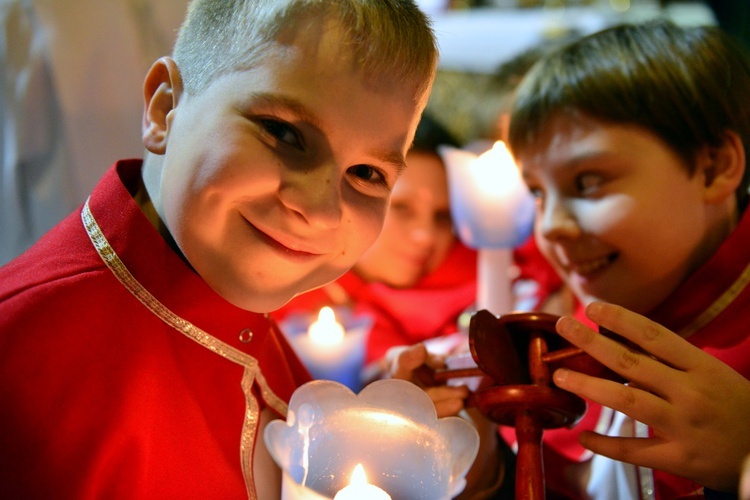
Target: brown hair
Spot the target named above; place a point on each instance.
(686, 85)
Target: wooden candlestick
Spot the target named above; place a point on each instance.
(523, 396)
(517, 353)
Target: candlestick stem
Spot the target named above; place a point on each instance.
(530, 482)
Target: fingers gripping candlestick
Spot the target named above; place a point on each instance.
(493, 212)
(517, 353)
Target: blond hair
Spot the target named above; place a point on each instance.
(389, 38)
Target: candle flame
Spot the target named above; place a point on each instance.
(360, 489)
(359, 476)
(326, 330)
(495, 172)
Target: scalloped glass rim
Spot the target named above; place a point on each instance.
(391, 427)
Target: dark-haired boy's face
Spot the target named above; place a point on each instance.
(277, 179)
(618, 215)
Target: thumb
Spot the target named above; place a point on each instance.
(404, 360)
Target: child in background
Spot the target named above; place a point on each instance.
(635, 141)
(135, 356)
(417, 278)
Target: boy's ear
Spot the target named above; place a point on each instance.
(162, 89)
(722, 167)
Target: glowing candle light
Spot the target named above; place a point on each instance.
(326, 330)
(360, 489)
(493, 212)
(329, 349)
(390, 429)
(493, 208)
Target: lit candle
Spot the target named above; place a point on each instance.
(326, 331)
(493, 212)
(360, 489)
(490, 203)
(330, 351)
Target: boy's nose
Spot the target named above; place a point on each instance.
(315, 194)
(421, 235)
(556, 220)
(423, 231)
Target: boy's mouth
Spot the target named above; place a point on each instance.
(281, 247)
(591, 266)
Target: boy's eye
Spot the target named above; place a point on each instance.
(401, 209)
(367, 173)
(537, 193)
(443, 218)
(588, 183)
(282, 132)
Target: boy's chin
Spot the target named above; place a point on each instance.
(259, 303)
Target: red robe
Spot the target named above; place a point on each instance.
(128, 379)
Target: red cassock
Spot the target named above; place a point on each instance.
(122, 374)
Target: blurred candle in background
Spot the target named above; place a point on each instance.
(329, 349)
(493, 212)
(326, 330)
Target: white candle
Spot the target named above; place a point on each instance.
(360, 489)
(493, 212)
(326, 331)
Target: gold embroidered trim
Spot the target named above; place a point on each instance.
(252, 373)
(247, 439)
(719, 305)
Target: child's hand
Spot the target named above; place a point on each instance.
(697, 407)
(403, 362)
(488, 470)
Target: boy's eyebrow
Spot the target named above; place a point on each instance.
(394, 158)
(279, 101)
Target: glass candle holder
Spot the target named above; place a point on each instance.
(390, 428)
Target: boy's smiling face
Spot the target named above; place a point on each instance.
(618, 215)
(275, 180)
